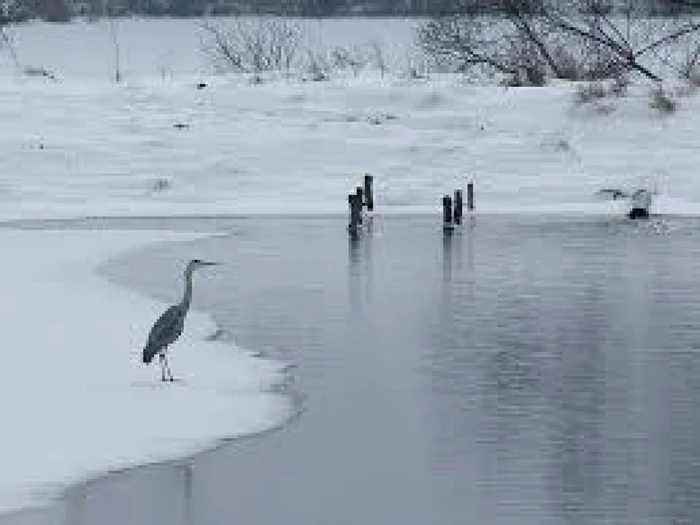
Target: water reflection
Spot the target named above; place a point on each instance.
(555, 357)
(683, 490)
(360, 265)
(451, 254)
(577, 413)
(355, 272)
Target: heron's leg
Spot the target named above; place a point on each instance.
(167, 367)
(162, 367)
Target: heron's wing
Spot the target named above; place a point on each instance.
(166, 328)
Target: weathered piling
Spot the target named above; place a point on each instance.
(470, 196)
(369, 192)
(447, 215)
(458, 207)
(355, 208)
(359, 196)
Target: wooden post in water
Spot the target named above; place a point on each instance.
(447, 223)
(459, 207)
(359, 196)
(355, 214)
(369, 191)
(470, 196)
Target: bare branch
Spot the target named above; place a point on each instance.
(530, 34)
(690, 28)
(617, 48)
(525, 25)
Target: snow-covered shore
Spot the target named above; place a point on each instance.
(75, 400)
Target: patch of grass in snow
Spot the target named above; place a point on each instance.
(595, 95)
(600, 94)
(662, 102)
(590, 92)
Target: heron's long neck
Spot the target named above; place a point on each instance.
(187, 296)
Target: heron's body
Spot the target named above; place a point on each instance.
(170, 325)
(166, 330)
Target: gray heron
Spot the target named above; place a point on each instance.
(171, 323)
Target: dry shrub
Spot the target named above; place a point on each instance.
(620, 84)
(252, 45)
(344, 58)
(590, 92)
(662, 102)
(378, 57)
(317, 66)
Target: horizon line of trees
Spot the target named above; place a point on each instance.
(64, 10)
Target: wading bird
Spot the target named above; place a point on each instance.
(170, 325)
(639, 200)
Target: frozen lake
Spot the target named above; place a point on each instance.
(526, 371)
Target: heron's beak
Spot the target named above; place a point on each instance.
(210, 263)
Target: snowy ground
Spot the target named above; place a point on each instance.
(75, 401)
(77, 148)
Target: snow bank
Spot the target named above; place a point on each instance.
(75, 401)
(77, 149)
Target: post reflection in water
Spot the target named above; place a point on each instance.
(354, 272)
(360, 284)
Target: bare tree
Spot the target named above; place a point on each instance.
(515, 41)
(617, 36)
(252, 45)
(539, 39)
